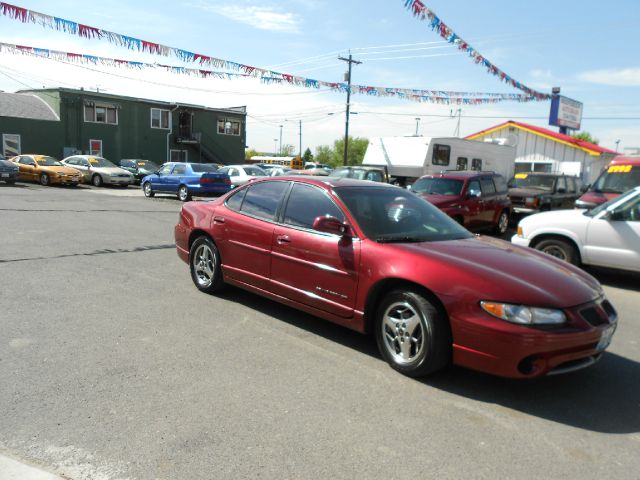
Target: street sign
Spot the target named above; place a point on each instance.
(565, 112)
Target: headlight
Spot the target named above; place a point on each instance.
(524, 315)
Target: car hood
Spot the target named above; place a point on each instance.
(527, 192)
(492, 269)
(109, 170)
(557, 218)
(597, 197)
(440, 200)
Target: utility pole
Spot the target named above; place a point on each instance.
(457, 131)
(417, 125)
(617, 146)
(280, 152)
(350, 61)
(300, 139)
(275, 147)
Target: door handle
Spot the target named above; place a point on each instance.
(283, 239)
(218, 219)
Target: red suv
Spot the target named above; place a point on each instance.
(621, 175)
(477, 200)
(377, 258)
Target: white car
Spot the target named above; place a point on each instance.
(241, 174)
(607, 236)
(99, 171)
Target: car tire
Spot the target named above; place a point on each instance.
(10, 182)
(502, 224)
(148, 190)
(45, 181)
(560, 249)
(412, 334)
(96, 180)
(183, 194)
(204, 264)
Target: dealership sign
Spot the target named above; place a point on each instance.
(565, 113)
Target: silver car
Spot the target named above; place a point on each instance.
(241, 174)
(99, 171)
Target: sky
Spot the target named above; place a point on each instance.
(587, 48)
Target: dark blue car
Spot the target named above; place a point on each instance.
(8, 171)
(186, 179)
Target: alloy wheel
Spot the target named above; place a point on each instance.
(403, 332)
(204, 265)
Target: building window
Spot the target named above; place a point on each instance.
(228, 126)
(159, 118)
(99, 113)
(441, 154)
(95, 147)
(179, 156)
(462, 163)
(476, 164)
(10, 145)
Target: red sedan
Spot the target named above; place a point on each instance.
(377, 258)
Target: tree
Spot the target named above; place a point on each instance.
(357, 148)
(287, 150)
(324, 154)
(307, 156)
(250, 152)
(586, 137)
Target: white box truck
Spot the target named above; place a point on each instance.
(408, 158)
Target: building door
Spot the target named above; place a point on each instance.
(10, 145)
(184, 125)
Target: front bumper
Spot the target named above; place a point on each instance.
(485, 343)
(118, 180)
(524, 210)
(66, 180)
(520, 241)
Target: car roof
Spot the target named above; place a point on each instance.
(327, 181)
(461, 174)
(626, 160)
(544, 174)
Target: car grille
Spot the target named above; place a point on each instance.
(515, 200)
(599, 315)
(121, 175)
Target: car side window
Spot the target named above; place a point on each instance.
(306, 203)
(262, 199)
(501, 184)
(233, 172)
(374, 176)
(27, 161)
(474, 187)
(487, 186)
(72, 161)
(234, 202)
(165, 169)
(630, 212)
(83, 162)
(180, 170)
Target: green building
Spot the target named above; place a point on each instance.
(61, 122)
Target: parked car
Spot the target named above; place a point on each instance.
(540, 192)
(186, 179)
(45, 170)
(375, 257)
(8, 171)
(606, 236)
(138, 168)
(373, 174)
(279, 171)
(99, 171)
(241, 174)
(622, 174)
(476, 200)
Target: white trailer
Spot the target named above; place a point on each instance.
(413, 157)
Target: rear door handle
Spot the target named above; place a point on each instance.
(218, 219)
(283, 239)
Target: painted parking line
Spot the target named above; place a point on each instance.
(11, 469)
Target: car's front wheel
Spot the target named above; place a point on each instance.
(413, 335)
(503, 223)
(204, 262)
(183, 194)
(559, 248)
(45, 180)
(148, 190)
(96, 180)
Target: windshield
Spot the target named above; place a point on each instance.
(100, 162)
(618, 179)
(254, 172)
(394, 215)
(538, 182)
(48, 162)
(438, 186)
(147, 165)
(606, 206)
(203, 167)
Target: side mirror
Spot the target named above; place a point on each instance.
(331, 225)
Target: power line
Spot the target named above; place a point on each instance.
(488, 116)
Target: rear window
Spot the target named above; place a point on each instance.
(438, 186)
(203, 167)
(262, 199)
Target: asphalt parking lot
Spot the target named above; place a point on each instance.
(113, 366)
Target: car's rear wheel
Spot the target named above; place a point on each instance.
(204, 262)
(96, 180)
(413, 335)
(45, 180)
(183, 194)
(559, 248)
(148, 190)
(503, 223)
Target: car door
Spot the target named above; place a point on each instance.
(174, 179)
(159, 181)
(82, 165)
(473, 205)
(243, 231)
(311, 267)
(487, 201)
(27, 167)
(613, 238)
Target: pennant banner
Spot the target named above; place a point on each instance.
(265, 75)
(424, 13)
